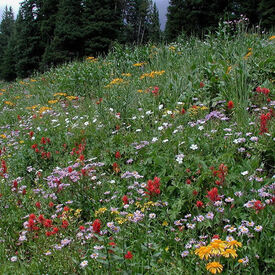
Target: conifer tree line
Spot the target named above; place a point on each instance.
(50, 32)
(200, 16)
(46, 33)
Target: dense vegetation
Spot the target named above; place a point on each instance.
(152, 160)
(50, 32)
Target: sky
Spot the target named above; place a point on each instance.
(161, 4)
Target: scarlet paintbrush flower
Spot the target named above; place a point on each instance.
(125, 199)
(153, 187)
(15, 184)
(81, 157)
(96, 226)
(183, 111)
(258, 205)
(117, 155)
(32, 216)
(188, 181)
(128, 255)
(48, 223)
(213, 194)
(199, 204)
(264, 119)
(66, 208)
(65, 224)
(81, 227)
(55, 230)
(70, 169)
(31, 133)
(230, 105)
(51, 204)
(201, 84)
(37, 204)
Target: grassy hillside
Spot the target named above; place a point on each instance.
(153, 160)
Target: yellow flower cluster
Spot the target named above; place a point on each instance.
(152, 74)
(126, 74)
(53, 101)
(196, 109)
(271, 37)
(71, 97)
(100, 211)
(60, 94)
(139, 64)
(33, 107)
(44, 109)
(115, 81)
(9, 103)
(145, 206)
(248, 54)
(3, 136)
(3, 90)
(217, 248)
(91, 59)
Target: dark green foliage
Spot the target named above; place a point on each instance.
(139, 20)
(154, 29)
(67, 43)
(7, 71)
(29, 48)
(102, 22)
(267, 13)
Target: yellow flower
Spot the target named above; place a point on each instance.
(203, 252)
(228, 69)
(217, 247)
(271, 37)
(214, 267)
(53, 101)
(165, 223)
(140, 91)
(248, 54)
(71, 97)
(3, 90)
(233, 244)
(172, 48)
(229, 252)
(91, 59)
(21, 141)
(139, 64)
(3, 136)
(60, 94)
(33, 80)
(9, 103)
(126, 74)
(152, 74)
(166, 248)
(44, 109)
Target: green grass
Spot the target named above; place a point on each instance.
(97, 108)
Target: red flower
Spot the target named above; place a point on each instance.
(37, 204)
(41, 218)
(125, 199)
(230, 105)
(195, 192)
(55, 230)
(201, 84)
(81, 227)
(65, 224)
(199, 204)
(188, 181)
(213, 194)
(183, 111)
(96, 226)
(155, 91)
(117, 155)
(66, 208)
(31, 134)
(32, 216)
(264, 120)
(51, 204)
(153, 187)
(48, 223)
(258, 205)
(70, 169)
(48, 233)
(128, 255)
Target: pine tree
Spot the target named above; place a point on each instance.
(267, 13)
(154, 28)
(67, 42)
(29, 48)
(137, 22)
(47, 22)
(102, 22)
(6, 33)
(175, 19)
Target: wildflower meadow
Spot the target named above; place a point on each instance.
(156, 159)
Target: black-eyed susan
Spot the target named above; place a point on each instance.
(214, 267)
